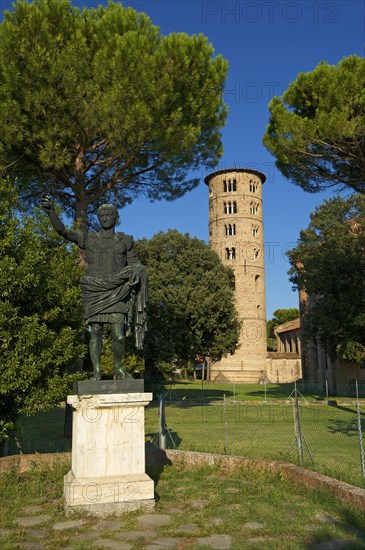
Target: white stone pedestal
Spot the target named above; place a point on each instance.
(108, 455)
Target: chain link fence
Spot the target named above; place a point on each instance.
(325, 436)
(328, 439)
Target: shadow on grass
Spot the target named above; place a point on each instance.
(281, 391)
(350, 522)
(346, 427)
(185, 395)
(156, 462)
(348, 409)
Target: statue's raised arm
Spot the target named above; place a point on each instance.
(69, 234)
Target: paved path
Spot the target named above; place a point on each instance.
(35, 529)
(38, 529)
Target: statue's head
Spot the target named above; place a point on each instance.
(108, 215)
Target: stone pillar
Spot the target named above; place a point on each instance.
(108, 455)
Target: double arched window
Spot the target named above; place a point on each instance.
(253, 186)
(230, 229)
(254, 207)
(231, 253)
(230, 207)
(229, 186)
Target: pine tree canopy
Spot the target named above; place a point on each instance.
(317, 127)
(96, 105)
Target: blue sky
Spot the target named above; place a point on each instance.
(267, 43)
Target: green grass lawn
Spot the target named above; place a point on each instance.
(197, 389)
(257, 510)
(249, 428)
(266, 430)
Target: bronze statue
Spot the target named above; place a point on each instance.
(114, 288)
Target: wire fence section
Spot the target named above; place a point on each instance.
(327, 439)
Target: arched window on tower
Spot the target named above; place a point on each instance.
(254, 208)
(257, 282)
(234, 185)
(229, 186)
(224, 186)
(254, 230)
(234, 208)
(256, 254)
(230, 253)
(225, 205)
(253, 186)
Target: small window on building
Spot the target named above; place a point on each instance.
(224, 186)
(254, 230)
(254, 207)
(230, 229)
(256, 253)
(234, 185)
(253, 187)
(230, 253)
(234, 208)
(233, 282)
(225, 205)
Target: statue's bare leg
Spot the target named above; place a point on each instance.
(95, 347)
(118, 348)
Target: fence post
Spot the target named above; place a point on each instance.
(162, 422)
(225, 425)
(362, 461)
(298, 430)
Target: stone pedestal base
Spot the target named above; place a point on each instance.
(108, 455)
(107, 496)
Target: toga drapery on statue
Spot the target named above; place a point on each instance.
(114, 288)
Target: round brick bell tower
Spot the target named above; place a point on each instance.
(236, 233)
